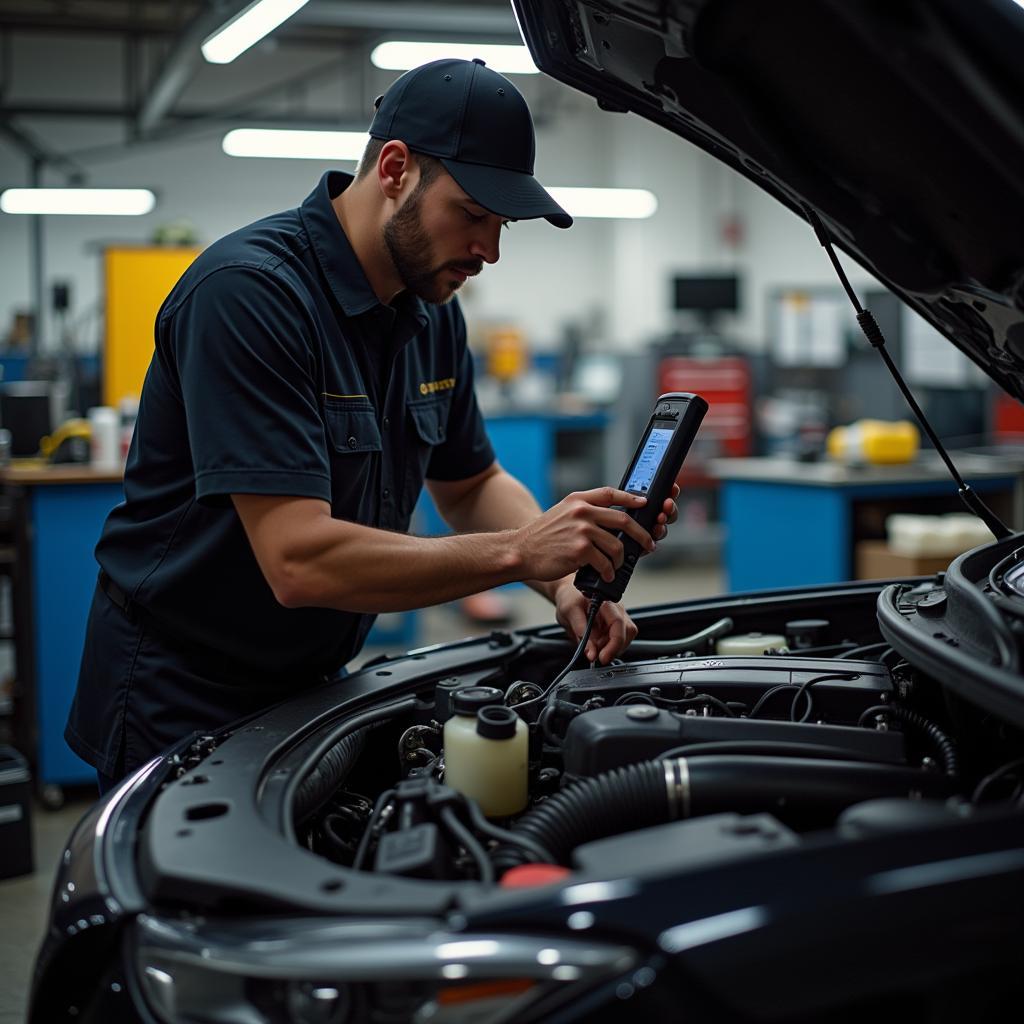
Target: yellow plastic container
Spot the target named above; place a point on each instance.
(875, 442)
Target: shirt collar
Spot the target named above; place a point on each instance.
(337, 258)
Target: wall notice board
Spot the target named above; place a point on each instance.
(137, 280)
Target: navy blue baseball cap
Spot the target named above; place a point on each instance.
(478, 125)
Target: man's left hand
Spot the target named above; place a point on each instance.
(613, 629)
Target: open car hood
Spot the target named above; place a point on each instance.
(900, 122)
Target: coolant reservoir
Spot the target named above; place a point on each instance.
(750, 643)
(485, 751)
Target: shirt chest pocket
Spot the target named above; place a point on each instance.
(354, 444)
(428, 428)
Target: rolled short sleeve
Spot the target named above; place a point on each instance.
(467, 449)
(244, 354)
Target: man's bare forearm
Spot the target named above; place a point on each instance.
(360, 569)
(310, 559)
(499, 502)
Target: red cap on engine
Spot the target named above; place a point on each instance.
(523, 876)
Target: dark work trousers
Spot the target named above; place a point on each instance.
(139, 692)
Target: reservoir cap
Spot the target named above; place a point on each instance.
(467, 700)
(496, 723)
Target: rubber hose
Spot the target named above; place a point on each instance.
(636, 796)
(942, 744)
(807, 793)
(329, 774)
(621, 800)
(945, 747)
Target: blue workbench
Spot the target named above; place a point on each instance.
(791, 524)
(59, 513)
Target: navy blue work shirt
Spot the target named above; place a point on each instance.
(277, 371)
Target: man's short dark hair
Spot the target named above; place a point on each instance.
(430, 167)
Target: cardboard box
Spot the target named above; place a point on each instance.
(875, 560)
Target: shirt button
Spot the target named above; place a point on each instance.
(387, 422)
(352, 442)
(385, 494)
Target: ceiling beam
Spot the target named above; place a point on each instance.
(181, 63)
(411, 17)
(38, 153)
(17, 21)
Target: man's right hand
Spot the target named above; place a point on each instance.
(575, 533)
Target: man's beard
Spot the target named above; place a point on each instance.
(409, 247)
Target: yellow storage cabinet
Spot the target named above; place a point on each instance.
(137, 279)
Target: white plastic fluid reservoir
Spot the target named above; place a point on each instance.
(485, 751)
(749, 643)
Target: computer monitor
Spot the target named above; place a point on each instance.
(31, 409)
(706, 293)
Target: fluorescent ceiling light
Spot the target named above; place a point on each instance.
(627, 203)
(105, 202)
(295, 145)
(247, 28)
(401, 56)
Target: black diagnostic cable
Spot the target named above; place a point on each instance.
(595, 607)
(876, 339)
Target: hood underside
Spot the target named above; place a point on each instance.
(900, 122)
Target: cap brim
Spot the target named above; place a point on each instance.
(511, 194)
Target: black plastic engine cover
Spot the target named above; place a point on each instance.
(605, 738)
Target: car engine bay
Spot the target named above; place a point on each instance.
(829, 729)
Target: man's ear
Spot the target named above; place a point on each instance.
(395, 168)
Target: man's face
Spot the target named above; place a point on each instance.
(439, 237)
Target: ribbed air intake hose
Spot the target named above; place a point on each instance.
(808, 793)
(329, 774)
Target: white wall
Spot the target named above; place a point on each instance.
(612, 276)
(545, 278)
(695, 192)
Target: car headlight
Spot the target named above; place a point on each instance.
(309, 971)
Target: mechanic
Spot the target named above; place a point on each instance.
(310, 372)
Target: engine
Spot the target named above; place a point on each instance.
(781, 744)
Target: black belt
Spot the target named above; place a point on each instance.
(116, 595)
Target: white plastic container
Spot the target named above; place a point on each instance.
(750, 643)
(935, 535)
(105, 442)
(486, 747)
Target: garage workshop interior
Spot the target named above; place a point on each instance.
(511, 511)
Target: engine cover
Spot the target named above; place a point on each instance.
(605, 738)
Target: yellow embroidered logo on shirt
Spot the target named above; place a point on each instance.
(429, 387)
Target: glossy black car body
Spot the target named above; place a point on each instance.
(829, 832)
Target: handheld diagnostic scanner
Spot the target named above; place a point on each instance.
(652, 471)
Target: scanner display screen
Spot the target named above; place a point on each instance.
(647, 463)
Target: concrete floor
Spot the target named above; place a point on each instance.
(24, 902)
